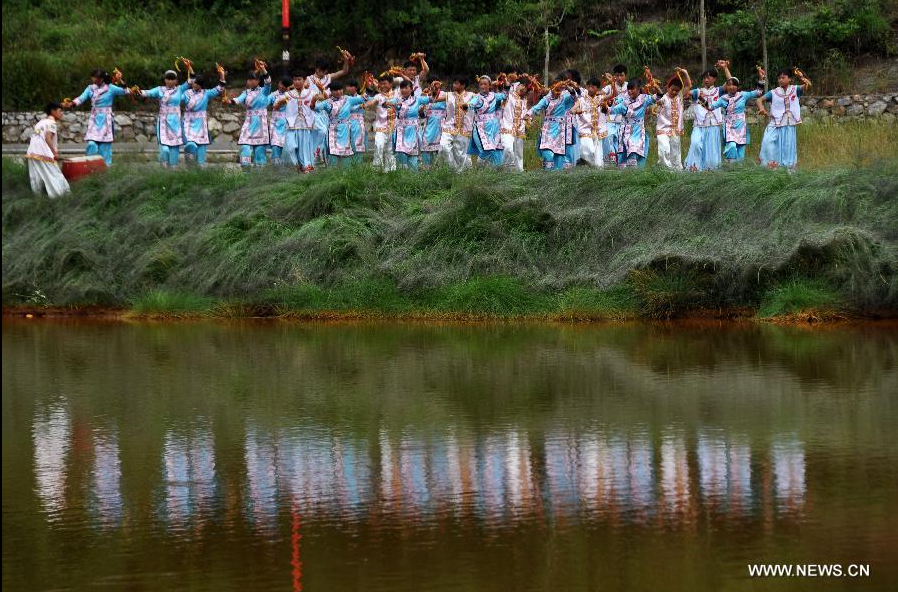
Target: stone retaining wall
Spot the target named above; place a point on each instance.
(224, 122)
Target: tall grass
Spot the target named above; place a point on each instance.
(484, 242)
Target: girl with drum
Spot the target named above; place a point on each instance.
(101, 93)
(43, 156)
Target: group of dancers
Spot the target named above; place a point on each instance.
(313, 118)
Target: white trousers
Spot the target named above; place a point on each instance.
(592, 151)
(454, 150)
(513, 153)
(383, 152)
(669, 154)
(47, 175)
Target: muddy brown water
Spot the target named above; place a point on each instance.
(407, 456)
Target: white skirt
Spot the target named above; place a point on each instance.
(47, 175)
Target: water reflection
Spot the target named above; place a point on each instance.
(52, 435)
(189, 479)
(490, 445)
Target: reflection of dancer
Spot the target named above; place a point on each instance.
(107, 477)
(789, 475)
(674, 473)
(52, 434)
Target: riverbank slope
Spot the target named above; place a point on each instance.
(588, 244)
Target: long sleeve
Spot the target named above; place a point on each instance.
(241, 99)
(266, 89)
(153, 93)
(118, 91)
(618, 109)
(83, 97)
(540, 106)
(323, 106)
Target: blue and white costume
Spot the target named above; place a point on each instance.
(705, 142)
(254, 134)
(340, 147)
(779, 148)
(735, 128)
(406, 141)
(614, 122)
(554, 133)
(196, 122)
(432, 134)
(486, 136)
(100, 125)
(277, 127)
(319, 135)
(300, 126)
(633, 143)
(357, 134)
(169, 133)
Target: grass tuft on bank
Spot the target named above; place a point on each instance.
(580, 245)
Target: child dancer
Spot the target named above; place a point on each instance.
(406, 138)
(735, 128)
(514, 126)
(357, 134)
(592, 123)
(340, 148)
(552, 140)
(300, 123)
(633, 143)
(277, 123)
(432, 134)
(457, 126)
(43, 156)
(779, 148)
(572, 138)
(669, 127)
(384, 124)
(169, 133)
(253, 140)
(486, 139)
(413, 75)
(705, 142)
(196, 120)
(321, 75)
(101, 93)
(618, 88)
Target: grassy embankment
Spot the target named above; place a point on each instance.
(582, 245)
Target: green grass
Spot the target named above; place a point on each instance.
(800, 295)
(584, 244)
(166, 303)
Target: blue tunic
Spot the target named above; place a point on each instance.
(486, 137)
(553, 136)
(736, 135)
(339, 137)
(633, 145)
(779, 147)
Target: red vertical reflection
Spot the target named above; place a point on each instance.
(285, 14)
(294, 547)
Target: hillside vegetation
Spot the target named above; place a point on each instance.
(50, 46)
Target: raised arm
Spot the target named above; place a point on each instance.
(724, 66)
(686, 80)
(805, 81)
(425, 70)
(344, 70)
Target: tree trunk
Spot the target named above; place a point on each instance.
(764, 53)
(703, 25)
(546, 58)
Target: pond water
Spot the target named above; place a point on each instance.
(319, 457)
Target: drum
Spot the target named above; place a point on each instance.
(81, 166)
